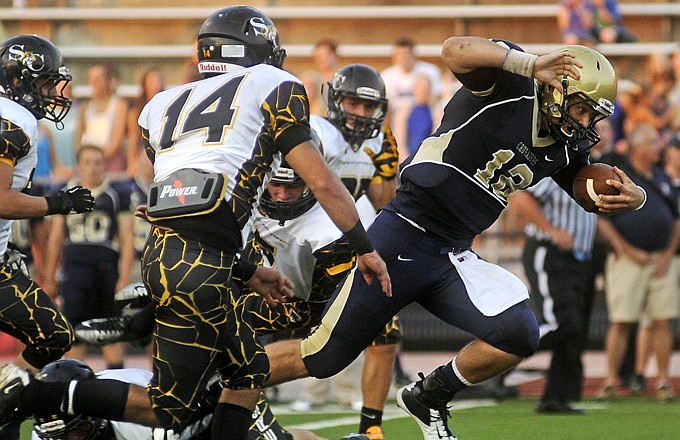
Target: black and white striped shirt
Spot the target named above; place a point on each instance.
(564, 213)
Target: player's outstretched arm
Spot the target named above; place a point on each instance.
(339, 205)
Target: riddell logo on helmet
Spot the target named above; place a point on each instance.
(178, 190)
(205, 67)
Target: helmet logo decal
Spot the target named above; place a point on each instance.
(338, 79)
(33, 61)
(261, 28)
(368, 92)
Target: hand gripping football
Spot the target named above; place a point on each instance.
(590, 183)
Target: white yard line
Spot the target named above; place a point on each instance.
(391, 412)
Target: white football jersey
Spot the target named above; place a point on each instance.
(234, 123)
(294, 244)
(19, 138)
(355, 168)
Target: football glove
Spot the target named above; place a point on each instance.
(386, 161)
(77, 199)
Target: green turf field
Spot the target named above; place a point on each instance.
(639, 419)
(629, 418)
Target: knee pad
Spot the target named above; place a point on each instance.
(516, 331)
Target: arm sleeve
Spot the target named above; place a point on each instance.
(287, 107)
(14, 142)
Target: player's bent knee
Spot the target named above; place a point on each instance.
(516, 331)
(328, 363)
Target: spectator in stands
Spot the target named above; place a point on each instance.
(418, 118)
(643, 278)
(95, 250)
(399, 79)
(661, 84)
(607, 25)
(102, 119)
(575, 22)
(640, 111)
(326, 60)
(151, 82)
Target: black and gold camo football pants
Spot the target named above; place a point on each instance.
(190, 283)
(28, 314)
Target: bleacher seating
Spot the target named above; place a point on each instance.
(137, 37)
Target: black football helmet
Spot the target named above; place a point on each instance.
(284, 211)
(57, 426)
(596, 87)
(32, 73)
(362, 82)
(239, 35)
(285, 175)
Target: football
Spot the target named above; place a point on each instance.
(590, 183)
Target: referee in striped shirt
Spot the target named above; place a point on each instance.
(559, 242)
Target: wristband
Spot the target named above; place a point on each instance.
(519, 62)
(643, 200)
(53, 205)
(359, 239)
(246, 267)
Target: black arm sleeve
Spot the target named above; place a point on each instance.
(288, 108)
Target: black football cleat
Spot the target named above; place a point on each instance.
(103, 331)
(426, 400)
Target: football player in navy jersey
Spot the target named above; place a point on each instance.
(95, 250)
(32, 80)
(519, 118)
(214, 144)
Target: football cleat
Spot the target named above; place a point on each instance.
(426, 401)
(374, 433)
(13, 380)
(132, 298)
(355, 437)
(103, 331)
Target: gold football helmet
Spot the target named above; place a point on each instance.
(597, 87)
